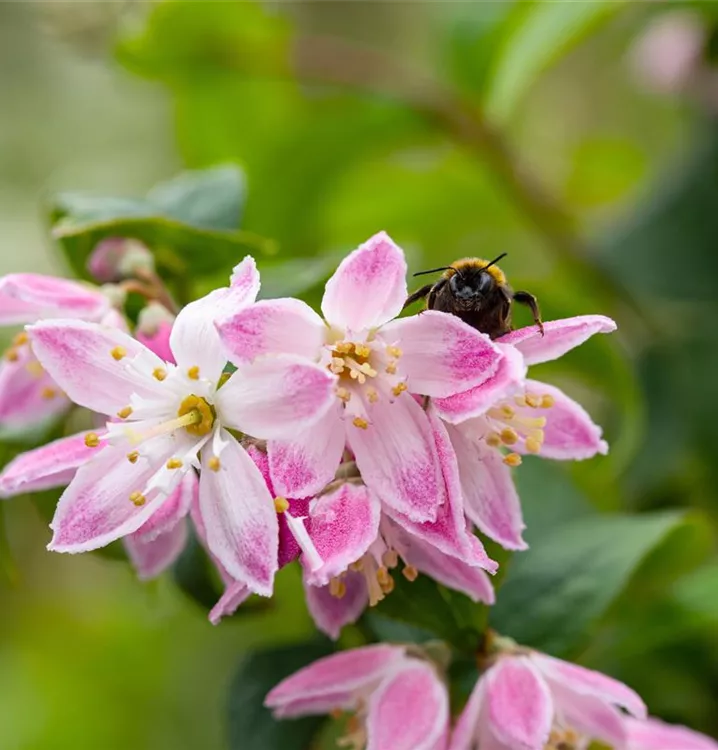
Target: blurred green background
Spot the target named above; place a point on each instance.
(580, 137)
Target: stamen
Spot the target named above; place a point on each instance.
(391, 368)
(547, 401)
(48, 393)
(357, 566)
(362, 350)
(387, 586)
(399, 388)
(360, 422)
(159, 373)
(533, 400)
(118, 353)
(394, 351)
(343, 395)
(372, 395)
(20, 339)
(92, 440)
(132, 457)
(198, 415)
(281, 504)
(520, 401)
(512, 459)
(174, 463)
(35, 368)
(390, 558)
(410, 573)
(138, 498)
(509, 436)
(493, 439)
(124, 412)
(344, 347)
(11, 355)
(383, 576)
(193, 373)
(532, 445)
(337, 588)
(508, 411)
(214, 463)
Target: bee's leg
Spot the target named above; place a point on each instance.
(526, 298)
(417, 295)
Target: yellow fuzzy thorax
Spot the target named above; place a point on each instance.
(495, 271)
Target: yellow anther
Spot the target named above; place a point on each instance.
(193, 373)
(118, 353)
(398, 389)
(391, 368)
(35, 368)
(48, 393)
(20, 339)
(360, 422)
(410, 573)
(11, 355)
(533, 400)
(92, 440)
(493, 439)
(390, 559)
(337, 588)
(507, 412)
(537, 435)
(138, 498)
(383, 576)
(159, 373)
(532, 445)
(547, 401)
(344, 347)
(387, 586)
(362, 350)
(174, 463)
(132, 457)
(368, 370)
(394, 351)
(512, 459)
(509, 436)
(124, 412)
(343, 395)
(372, 396)
(214, 463)
(202, 413)
(281, 504)
(357, 566)
(520, 401)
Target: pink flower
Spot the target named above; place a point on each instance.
(28, 395)
(400, 703)
(168, 415)
(653, 734)
(377, 362)
(523, 416)
(525, 698)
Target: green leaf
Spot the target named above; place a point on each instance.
(251, 725)
(193, 574)
(557, 591)
(542, 34)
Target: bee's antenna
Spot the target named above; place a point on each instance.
(436, 270)
(495, 260)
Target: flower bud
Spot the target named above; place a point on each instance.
(117, 258)
(154, 326)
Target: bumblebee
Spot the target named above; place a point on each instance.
(476, 291)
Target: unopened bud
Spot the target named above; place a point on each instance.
(117, 258)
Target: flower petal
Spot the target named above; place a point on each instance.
(317, 687)
(235, 594)
(79, 357)
(589, 716)
(409, 710)
(27, 297)
(151, 557)
(276, 396)
(589, 682)
(304, 465)
(569, 432)
(158, 341)
(239, 517)
(344, 524)
(274, 326)
(442, 355)
(331, 613)
(490, 497)
(507, 380)
(465, 734)
(397, 458)
(173, 510)
(369, 287)
(96, 508)
(560, 336)
(520, 710)
(51, 465)
(653, 734)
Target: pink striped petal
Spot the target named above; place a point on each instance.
(304, 465)
(409, 710)
(173, 510)
(442, 355)
(507, 380)
(589, 682)
(560, 336)
(369, 287)
(653, 734)
(344, 524)
(490, 497)
(51, 465)
(27, 297)
(151, 557)
(466, 731)
(397, 458)
(590, 717)
(276, 396)
(235, 594)
(331, 613)
(239, 518)
(275, 326)
(79, 358)
(520, 710)
(333, 681)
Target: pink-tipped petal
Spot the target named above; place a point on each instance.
(332, 613)
(490, 497)
(235, 594)
(507, 380)
(570, 433)
(466, 732)
(239, 517)
(51, 465)
(519, 706)
(276, 396)
(442, 355)
(448, 533)
(97, 366)
(344, 524)
(158, 341)
(96, 508)
(27, 297)
(369, 287)
(172, 510)
(653, 734)
(589, 682)
(332, 682)
(590, 717)
(304, 465)
(560, 336)
(275, 326)
(151, 557)
(397, 458)
(409, 710)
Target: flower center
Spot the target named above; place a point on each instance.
(563, 739)
(350, 361)
(196, 416)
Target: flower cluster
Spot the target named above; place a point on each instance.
(365, 445)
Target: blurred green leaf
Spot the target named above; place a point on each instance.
(251, 725)
(193, 574)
